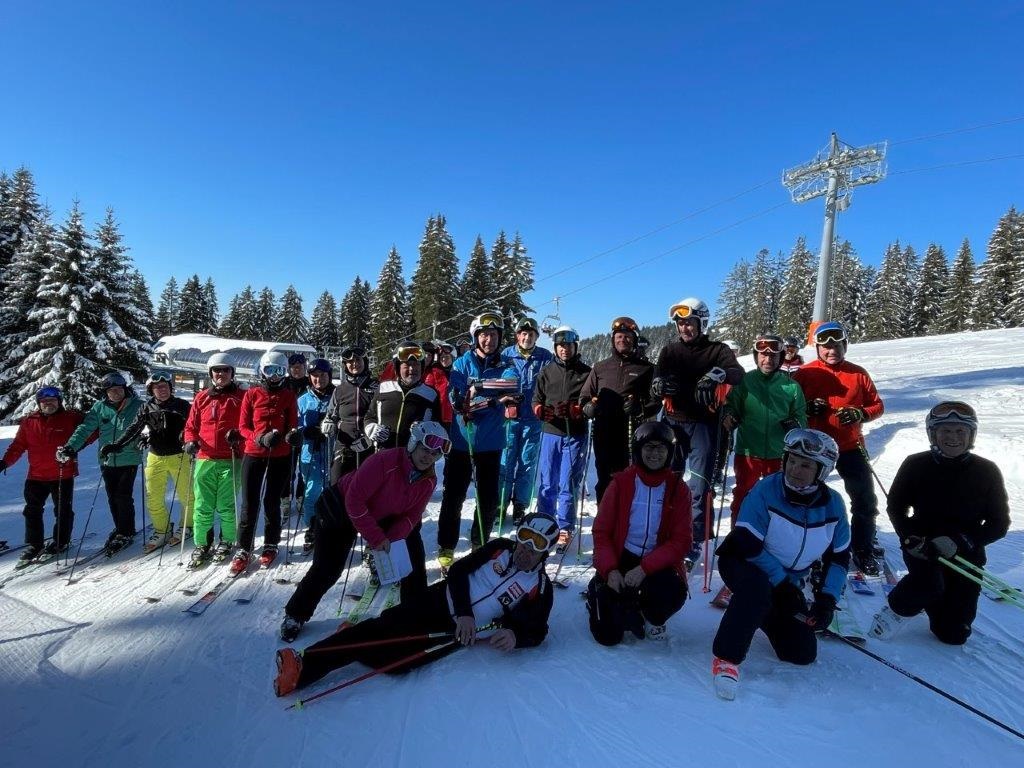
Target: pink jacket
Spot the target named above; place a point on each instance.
(382, 488)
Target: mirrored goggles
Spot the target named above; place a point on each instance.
(48, 392)
(533, 539)
(437, 444)
(274, 371)
(161, 376)
(405, 354)
(624, 324)
(768, 346)
(489, 320)
(681, 312)
(353, 353)
(829, 333)
(566, 337)
(804, 441)
(953, 409)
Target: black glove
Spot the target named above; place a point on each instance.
(942, 546)
(790, 423)
(3, 465)
(631, 406)
(294, 438)
(191, 448)
(269, 439)
(822, 611)
(233, 436)
(106, 450)
(850, 415)
(707, 386)
(817, 407)
(665, 386)
(590, 409)
(561, 409)
(787, 599)
(313, 435)
(916, 546)
(65, 454)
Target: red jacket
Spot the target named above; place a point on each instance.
(265, 409)
(675, 533)
(213, 413)
(381, 488)
(437, 378)
(41, 436)
(841, 386)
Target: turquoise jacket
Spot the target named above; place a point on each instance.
(111, 422)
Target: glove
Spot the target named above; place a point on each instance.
(850, 415)
(665, 386)
(575, 411)
(294, 438)
(3, 465)
(916, 546)
(106, 450)
(191, 448)
(379, 433)
(360, 445)
(817, 407)
(233, 436)
(544, 412)
(65, 454)
(942, 546)
(562, 409)
(787, 599)
(822, 610)
(730, 421)
(590, 409)
(790, 423)
(328, 428)
(313, 436)
(143, 443)
(269, 439)
(706, 386)
(631, 406)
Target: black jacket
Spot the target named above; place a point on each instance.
(349, 404)
(166, 422)
(562, 382)
(687, 363)
(397, 407)
(610, 381)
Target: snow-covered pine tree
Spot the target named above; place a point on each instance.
(131, 351)
(477, 284)
(1015, 309)
(265, 316)
(999, 273)
(912, 269)
(167, 310)
(886, 307)
(390, 312)
(71, 349)
(931, 287)
(240, 321)
(513, 276)
(434, 289)
(734, 316)
(191, 307)
(765, 287)
(796, 299)
(143, 300)
(848, 290)
(958, 296)
(291, 325)
(354, 316)
(323, 327)
(211, 308)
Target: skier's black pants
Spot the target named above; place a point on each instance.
(458, 472)
(36, 493)
(750, 609)
(611, 452)
(119, 483)
(254, 470)
(426, 616)
(856, 474)
(659, 596)
(950, 600)
(334, 538)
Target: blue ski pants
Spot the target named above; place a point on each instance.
(519, 461)
(560, 476)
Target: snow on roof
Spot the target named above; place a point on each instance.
(205, 342)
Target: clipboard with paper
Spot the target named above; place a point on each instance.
(394, 565)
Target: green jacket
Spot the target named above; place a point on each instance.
(111, 423)
(761, 403)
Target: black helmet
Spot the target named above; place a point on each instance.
(113, 380)
(653, 431)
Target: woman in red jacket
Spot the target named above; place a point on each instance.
(641, 534)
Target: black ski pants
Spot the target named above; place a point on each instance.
(119, 483)
(427, 616)
(950, 600)
(750, 609)
(262, 476)
(856, 474)
(346, 460)
(36, 493)
(660, 595)
(458, 471)
(334, 538)
(611, 451)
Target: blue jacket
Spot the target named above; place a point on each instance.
(783, 538)
(312, 408)
(486, 427)
(527, 369)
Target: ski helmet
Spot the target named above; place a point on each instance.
(626, 324)
(769, 342)
(431, 434)
(653, 431)
(484, 321)
(354, 352)
(791, 341)
(429, 347)
(273, 364)
(49, 392)
(220, 360)
(830, 331)
(538, 531)
(527, 324)
(156, 376)
(296, 359)
(565, 334)
(691, 307)
(113, 380)
(952, 412)
(814, 445)
(408, 351)
(320, 365)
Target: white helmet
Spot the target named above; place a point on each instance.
(220, 360)
(691, 307)
(430, 433)
(539, 531)
(486, 320)
(273, 364)
(814, 445)
(566, 334)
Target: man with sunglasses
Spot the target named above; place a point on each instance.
(502, 584)
(762, 408)
(688, 381)
(840, 396)
(384, 501)
(346, 413)
(400, 402)
(164, 416)
(617, 397)
(792, 360)
(39, 435)
(944, 503)
(522, 427)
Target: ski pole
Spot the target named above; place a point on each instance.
(471, 434)
(57, 510)
(293, 480)
(1008, 593)
(142, 485)
(386, 668)
(721, 508)
(392, 640)
(502, 479)
(348, 572)
(991, 577)
(169, 528)
(867, 458)
(925, 683)
(85, 530)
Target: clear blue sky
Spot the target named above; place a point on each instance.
(274, 143)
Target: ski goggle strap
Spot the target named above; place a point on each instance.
(437, 443)
(532, 538)
(352, 353)
(409, 352)
(48, 392)
(566, 337)
(829, 332)
(772, 346)
(272, 371)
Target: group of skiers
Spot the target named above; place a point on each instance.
(520, 424)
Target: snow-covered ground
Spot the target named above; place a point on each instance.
(93, 675)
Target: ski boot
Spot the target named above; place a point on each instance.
(289, 667)
(223, 551)
(290, 629)
(28, 557)
(268, 555)
(200, 557)
(240, 562)
(727, 678)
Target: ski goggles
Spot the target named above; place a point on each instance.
(953, 408)
(489, 320)
(829, 333)
(410, 352)
(48, 392)
(437, 444)
(566, 337)
(349, 354)
(445, 348)
(624, 325)
(527, 324)
(534, 539)
(768, 346)
(226, 369)
(682, 311)
(163, 376)
(274, 371)
(805, 443)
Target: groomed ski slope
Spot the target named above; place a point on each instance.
(93, 675)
